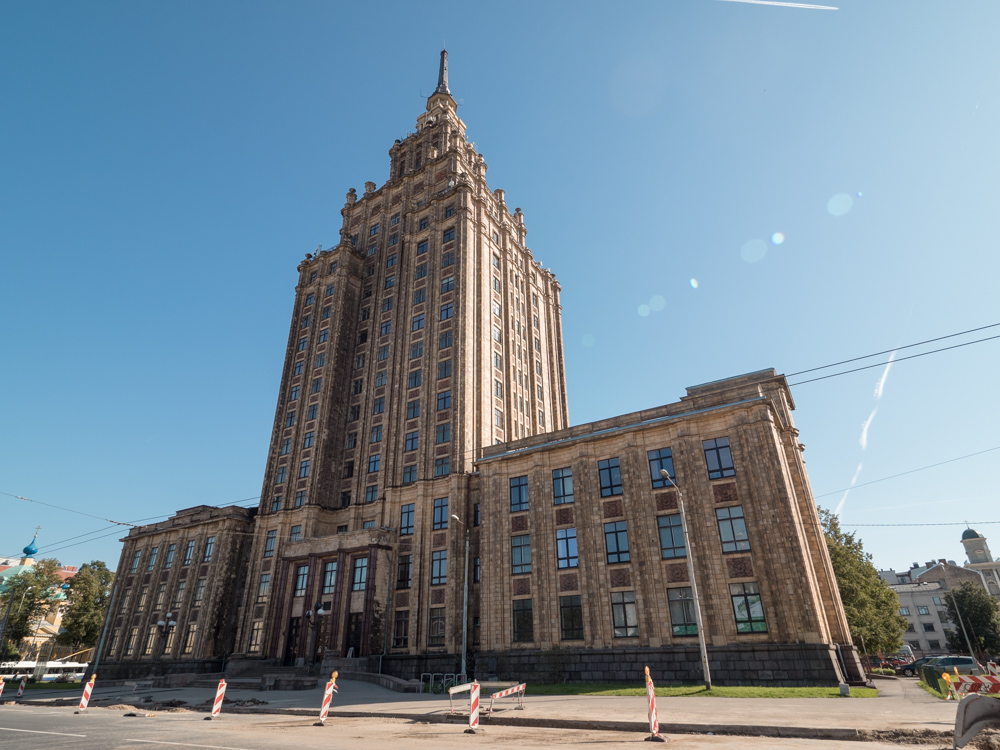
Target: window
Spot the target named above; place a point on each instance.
(313, 411)
(256, 637)
(413, 409)
(380, 379)
(178, 595)
(562, 486)
(329, 290)
(496, 308)
(732, 529)
(290, 419)
(373, 230)
(419, 296)
(928, 627)
(449, 235)
(498, 360)
(413, 381)
(442, 467)
(421, 271)
(209, 549)
(304, 469)
(409, 474)
(359, 575)
(378, 405)
(671, 537)
(404, 571)
(571, 618)
(263, 586)
(348, 470)
(143, 596)
(300, 498)
(406, 519)
(373, 462)
(359, 361)
(354, 415)
(391, 260)
(307, 441)
(498, 417)
(904, 611)
(611, 477)
(934, 645)
(276, 503)
(476, 569)
(524, 626)
(417, 350)
(661, 459)
(443, 434)
(299, 366)
(747, 607)
(345, 502)
(385, 329)
(475, 514)
(161, 594)
(910, 628)
(324, 335)
(520, 554)
(444, 369)
(169, 561)
(301, 576)
(281, 475)
(189, 552)
(623, 614)
(447, 284)
(367, 312)
(354, 239)
(329, 577)
(135, 561)
(439, 567)
(130, 643)
(566, 548)
(937, 599)
(449, 211)
(436, 635)
(295, 393)
(441, 513)
(497, 334)
(719, 458)
(305, 321)
(326, 313)
(303, 343)
(296, 534)
(923, 611)
(616, 541)
(401, 633)
(447, 310)
(286, 447)
(317, 385)
(421, 247)
(412, 441)
(383, 353)
(498, 389)
(423, 222)
(445, 340)
(683, 620)
(390, 282)
(199, 592)
(444, 400)
(496, 284)
(518, 494)
(394, 220)
(447, 259)
(376, 434)
(371, 493)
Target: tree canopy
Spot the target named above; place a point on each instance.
(31, 594)
(89, 591)
(979, 615)
(872, 608)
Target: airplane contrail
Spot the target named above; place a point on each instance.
(785, 5)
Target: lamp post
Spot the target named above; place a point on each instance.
(166, 628)
(465, 597)
(314, 617)
(694, 585)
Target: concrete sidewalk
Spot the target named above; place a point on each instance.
(902, 708)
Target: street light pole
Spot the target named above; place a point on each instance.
(465, 598)
(694, 585)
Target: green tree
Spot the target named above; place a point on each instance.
(88, 595)
(31, 595)
(980, 617)
(872, 608)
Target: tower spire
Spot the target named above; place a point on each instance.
(442, 87)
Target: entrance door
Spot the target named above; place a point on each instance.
(292, 643)
(355, 622)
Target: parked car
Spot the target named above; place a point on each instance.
(964, 664)
(911, 669)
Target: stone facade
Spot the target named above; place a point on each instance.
(422, 408)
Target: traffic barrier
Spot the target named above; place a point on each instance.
(219, 695)
(969, 683)
(952, 692)
(473, 708)
(466, 688)
(20, 690)
(991, 668)
(331, 688)
(654, 725)
(87, 690)
(2, 683)
(516, 690)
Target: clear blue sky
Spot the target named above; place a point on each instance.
(164, 167)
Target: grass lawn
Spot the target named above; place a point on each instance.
(613, 688)
(929, 689)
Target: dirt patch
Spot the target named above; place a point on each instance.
(988, 739)
(237, 704)
(119, 707)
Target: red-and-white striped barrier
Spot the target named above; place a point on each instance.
(331, 688)
(219, 695)
(473, 708)
(87, 690)
(20, 690)
(654, 724)
(454, 690)
(992, 669)
(969, 683)
(517, 690)
(2, 683)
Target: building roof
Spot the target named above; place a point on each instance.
(971, 534)
(901, 588)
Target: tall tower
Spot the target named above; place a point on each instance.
(426, 334)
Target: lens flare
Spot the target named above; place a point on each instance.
(643, 310)
(839, 204)
(754, 251)
(777, 238)
(694, 283)
(657, 303)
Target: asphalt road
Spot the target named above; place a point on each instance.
(107, 729)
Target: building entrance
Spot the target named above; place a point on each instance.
(292, 643)
(355, 623)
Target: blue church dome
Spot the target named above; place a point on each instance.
(31, 549)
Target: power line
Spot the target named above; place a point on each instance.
(898, 348)
(950, 523)
(894, 361)
(68, 510)
(911, 471)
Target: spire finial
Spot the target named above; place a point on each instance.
(442, 87)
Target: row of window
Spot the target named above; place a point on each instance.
(168, 561)
(131, 641)
(160, 598)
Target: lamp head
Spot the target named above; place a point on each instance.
(665, 474)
